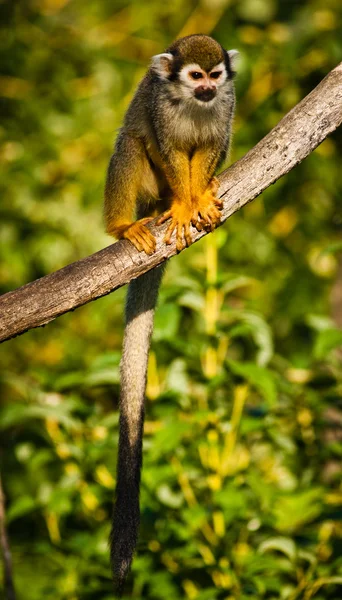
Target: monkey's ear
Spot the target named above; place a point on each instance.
(162, 64)
(233, 57)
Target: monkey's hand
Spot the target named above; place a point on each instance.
(206, 208)
(180, 214)
(138, 234)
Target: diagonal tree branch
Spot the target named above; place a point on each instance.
(295, 136)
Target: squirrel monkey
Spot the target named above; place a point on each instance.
(176, 133)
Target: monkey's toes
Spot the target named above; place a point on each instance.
(140, 236)
(219, 203)
(164, 217)
(180, 215)
(206, 217)
(198, 222)
(183, 236)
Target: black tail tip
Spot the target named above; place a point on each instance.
(120, 570)
(119, 586)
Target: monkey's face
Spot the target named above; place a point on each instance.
(200, 85)
(196, 71)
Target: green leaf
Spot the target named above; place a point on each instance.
(104, 376)
(281, 544)
(20, 413)
(168, 438)
(166, 322)
(237, 282)
(232, 502)
(327, 340)
(260, 332)
(20, 507)
(166, 496)
(291, 512)
(259, 377)
(177, 379)
(333, 248)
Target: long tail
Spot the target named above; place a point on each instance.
(140, 305)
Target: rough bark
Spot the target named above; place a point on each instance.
(295, 136)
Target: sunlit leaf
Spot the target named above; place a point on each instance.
(291, 512)
(21, 507)
(281, 544)
(259, 377)
(327, 340)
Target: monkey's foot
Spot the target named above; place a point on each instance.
(139, 235)
(180, 215)
(206, 208)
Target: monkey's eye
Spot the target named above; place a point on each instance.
(196, 75)
(215, 74)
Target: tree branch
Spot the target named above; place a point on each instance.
(295, 136)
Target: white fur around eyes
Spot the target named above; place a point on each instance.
(194, 67)
(184, 74)
(220, 67)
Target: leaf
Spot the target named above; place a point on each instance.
(177, 379)
(168, 438)
(232, 502)
(193, 300)
(166, 322)
(105, 376)
(20, 413)
(327, 340)
(260, 332)
(166, 496)
(259, 377)
(281, 544)
(333, 248)
(291, 512)
(237, 282)
(208, 594)
(20, 507)
(319, 322)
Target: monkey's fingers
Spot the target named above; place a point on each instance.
(140, 236)
(148, 245)
(164, 217)
(142, 245)
(187, 234)
(210, 214)
(145, 220)
(179, 237)
(212, 220)
(137, 245)
(207, 222)
(218, 202)
(169, 232)
(197, 222)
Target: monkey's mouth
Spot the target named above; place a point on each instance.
(205, 95)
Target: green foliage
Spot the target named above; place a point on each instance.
(242, 456)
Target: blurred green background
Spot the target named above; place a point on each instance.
(241, 487)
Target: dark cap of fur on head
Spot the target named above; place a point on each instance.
(200, 49)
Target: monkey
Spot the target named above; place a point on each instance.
(176, 134)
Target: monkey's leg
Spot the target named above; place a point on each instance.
(124, 176)
(177, 173)
(206, 206)
(141, 300)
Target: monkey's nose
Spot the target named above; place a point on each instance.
(205, 93)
